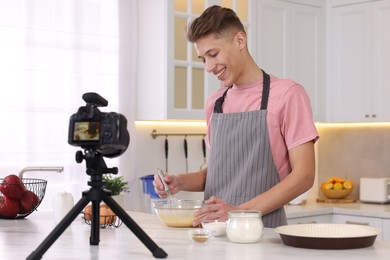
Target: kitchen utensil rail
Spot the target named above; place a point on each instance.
(155, 134)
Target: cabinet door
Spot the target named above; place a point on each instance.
(348, 219)
(305, 54)
(309, 220)
(272, 38)
(381, 59)
(289, 37)
(386, 229)
(351, 83)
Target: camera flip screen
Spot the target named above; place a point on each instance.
(86, 131)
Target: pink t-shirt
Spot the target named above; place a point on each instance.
(289, 115)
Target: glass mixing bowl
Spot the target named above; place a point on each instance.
(177, 215)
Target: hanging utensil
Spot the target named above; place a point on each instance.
(186, 152)
(204, 165)
(166, 153)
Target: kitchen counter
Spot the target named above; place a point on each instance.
(18, 238)
(313, 208)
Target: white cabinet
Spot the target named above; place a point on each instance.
(290, 45)
(164, 89)
(386, 229)
(359, 62)
(327, 218)
(349, 219)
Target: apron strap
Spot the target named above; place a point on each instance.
(264, 99)
(219, 102)
(266, 87)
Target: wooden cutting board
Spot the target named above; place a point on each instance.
(325, 200)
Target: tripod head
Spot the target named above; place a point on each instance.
(96, 166)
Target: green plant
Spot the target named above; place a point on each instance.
(115, 184)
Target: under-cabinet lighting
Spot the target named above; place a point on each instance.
(353, 125)
(195, 123)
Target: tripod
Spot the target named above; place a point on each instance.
(96, 167)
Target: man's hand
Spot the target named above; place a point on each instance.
(215, 209)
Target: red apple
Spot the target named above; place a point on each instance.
(9, 208)
(13, 187)
(28, 201)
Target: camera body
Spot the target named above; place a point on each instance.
(92, 129)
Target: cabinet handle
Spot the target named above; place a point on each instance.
(308, 222)
(373, 116)
(366, 115)
(357, 223)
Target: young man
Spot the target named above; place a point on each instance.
(260, 129)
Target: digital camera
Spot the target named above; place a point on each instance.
(92, 129)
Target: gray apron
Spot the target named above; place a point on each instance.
(241, 165)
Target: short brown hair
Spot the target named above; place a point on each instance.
(215, 19)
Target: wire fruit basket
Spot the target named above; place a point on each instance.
(32, 193)
(105, 221)
(107, 218)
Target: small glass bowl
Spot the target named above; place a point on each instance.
(200, 236)
(218, 226)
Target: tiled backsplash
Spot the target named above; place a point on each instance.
(353, 151)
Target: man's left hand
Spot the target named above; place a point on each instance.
(214, 209)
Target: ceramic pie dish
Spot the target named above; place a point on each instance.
(328, 236)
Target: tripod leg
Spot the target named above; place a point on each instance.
(59, 229)
(95, 218)
(133, 226)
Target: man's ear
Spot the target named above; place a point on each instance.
(241, 40)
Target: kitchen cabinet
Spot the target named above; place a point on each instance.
(155, 68)
(386, 229)
(359, 61)
(291, 45)
(327, 218)
(171, 80)
(349, 219)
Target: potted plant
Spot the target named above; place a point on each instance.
(116, 185)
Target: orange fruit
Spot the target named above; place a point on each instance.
(337, 186)
(327, 185)
(338, 179)
(330, 180)
(348, 184)
(335, 179)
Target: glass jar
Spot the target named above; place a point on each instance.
(244, 226)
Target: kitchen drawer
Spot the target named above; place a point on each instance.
(349, 219)
(312, 219)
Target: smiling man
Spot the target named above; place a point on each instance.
(261, 132)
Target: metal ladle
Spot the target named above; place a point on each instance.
(171, 198)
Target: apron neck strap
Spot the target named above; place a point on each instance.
(264, 99)
(219, 102)
(266, 87)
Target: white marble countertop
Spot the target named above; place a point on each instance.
(312, 208)
(18, 238)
